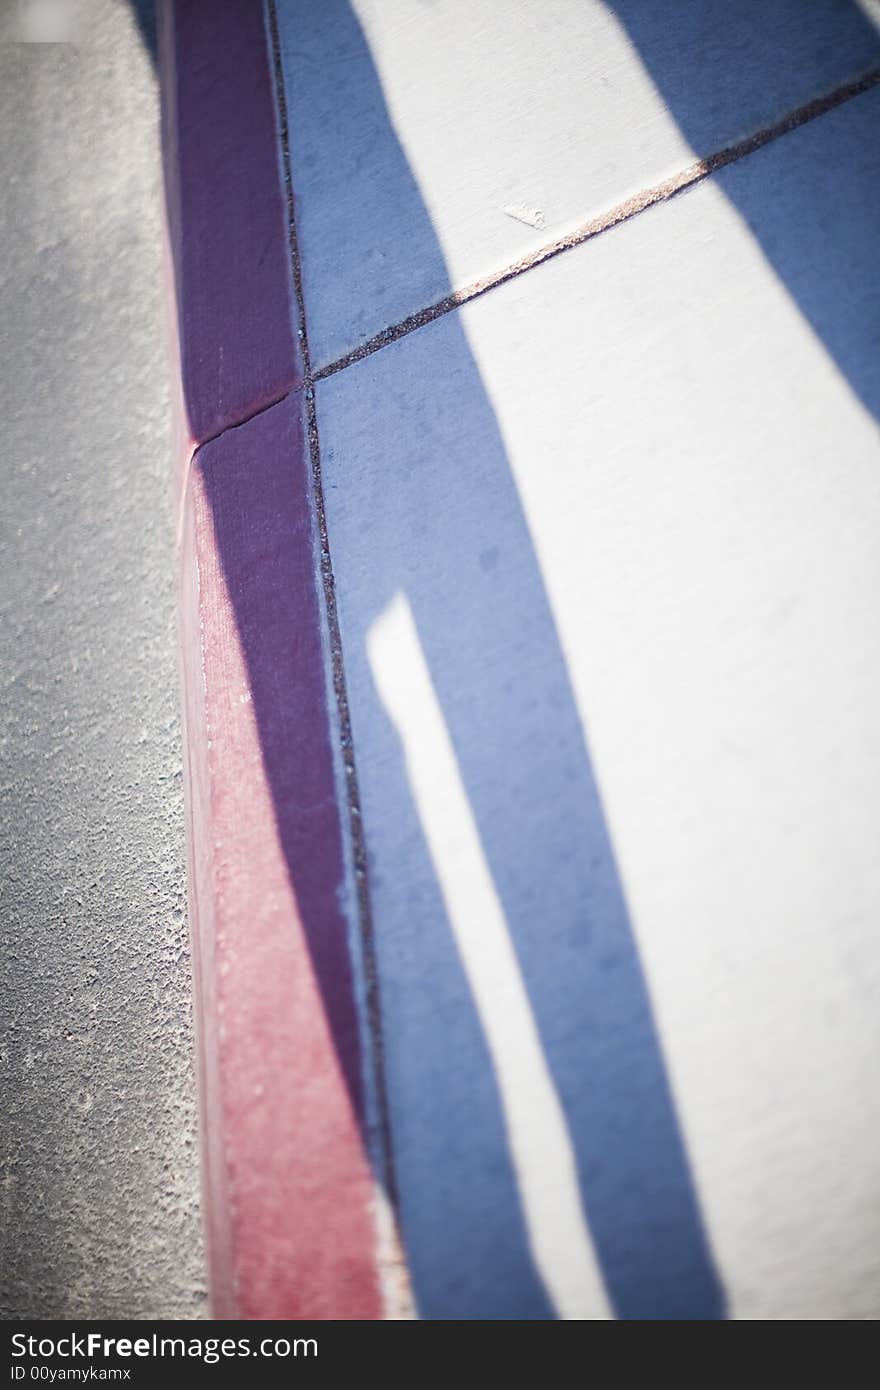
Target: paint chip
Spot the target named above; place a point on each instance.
(532, 217)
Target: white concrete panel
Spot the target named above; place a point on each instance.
(636, 493)
(435, 143)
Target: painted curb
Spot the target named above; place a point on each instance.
(289, 1192)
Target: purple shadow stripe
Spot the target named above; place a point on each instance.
(238, 348)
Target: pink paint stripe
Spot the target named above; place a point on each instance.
(289, 1188)
(226, 211)
(289, 1194)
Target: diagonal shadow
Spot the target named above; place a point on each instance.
(444, 525)
(818, 234)
(488, 633)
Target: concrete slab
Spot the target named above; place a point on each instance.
(435, 145)
(605, 550)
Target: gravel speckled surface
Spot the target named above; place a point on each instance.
(99, 1170)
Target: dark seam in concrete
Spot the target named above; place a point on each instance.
(368, 945)
(246, 419)
(687, 178)
(663, 192)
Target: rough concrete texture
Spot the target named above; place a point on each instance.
(98, 1165)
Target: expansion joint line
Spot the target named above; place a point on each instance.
(680, 182)
(639, 202)
(365, 917)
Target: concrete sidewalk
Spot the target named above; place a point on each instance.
(532, 671)
(604, 549)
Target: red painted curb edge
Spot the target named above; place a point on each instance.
(290, 1196)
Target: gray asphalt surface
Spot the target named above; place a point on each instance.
(99, 1206)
